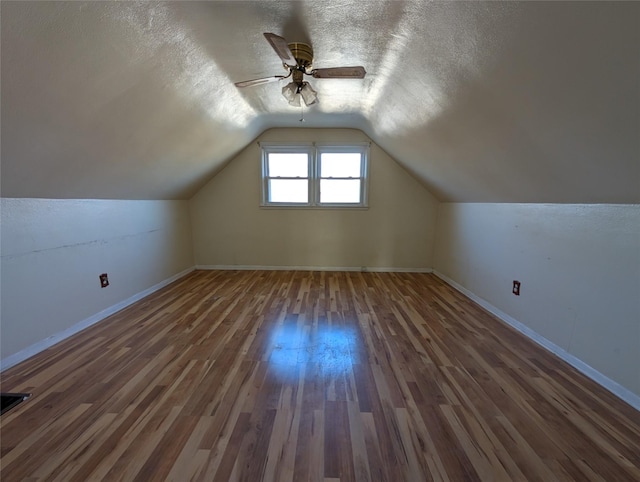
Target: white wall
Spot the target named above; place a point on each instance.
(53, 252)
(230, 228)
(580, 271)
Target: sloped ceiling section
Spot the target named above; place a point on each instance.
(482, 101)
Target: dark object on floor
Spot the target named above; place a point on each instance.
(10, 400)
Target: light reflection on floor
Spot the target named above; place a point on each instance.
(332, 348)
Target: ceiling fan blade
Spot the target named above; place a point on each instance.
(356, 72)
(281, 47)
(264, 80)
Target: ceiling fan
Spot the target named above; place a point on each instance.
(297, 58)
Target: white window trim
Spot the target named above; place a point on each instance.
(314, 150)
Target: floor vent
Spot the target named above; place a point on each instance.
(10, 400)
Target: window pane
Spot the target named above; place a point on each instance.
(288, 191)
(342, 191)
(288, 164)
(340, 164)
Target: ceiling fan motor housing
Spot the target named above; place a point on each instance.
(303, 53)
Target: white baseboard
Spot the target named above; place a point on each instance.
(42, 345)
(311, 268)
(604, 381)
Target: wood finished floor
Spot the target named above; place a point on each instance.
(310, 376)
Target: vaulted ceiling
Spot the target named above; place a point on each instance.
(481, 101)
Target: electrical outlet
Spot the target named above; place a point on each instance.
(104, 280)
(516, 288)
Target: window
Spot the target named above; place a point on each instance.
(314, 175)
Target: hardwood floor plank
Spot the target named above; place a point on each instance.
(310, 376)
(228, 462)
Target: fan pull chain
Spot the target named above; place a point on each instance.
(301, 112)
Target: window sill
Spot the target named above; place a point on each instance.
(339, 207)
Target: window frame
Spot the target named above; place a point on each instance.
(314, 152)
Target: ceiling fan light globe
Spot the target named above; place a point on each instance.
(309, 95)
(290, 92)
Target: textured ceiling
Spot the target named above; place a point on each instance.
(482, 101)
